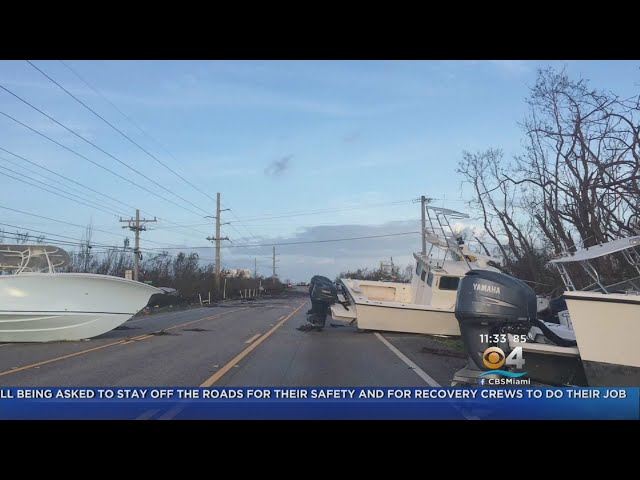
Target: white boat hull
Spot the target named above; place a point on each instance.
(44, 307)
(607, 328)
(399, 318)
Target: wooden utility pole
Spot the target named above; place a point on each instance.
(423, 203)
(274, 265)
(217, 239)
(255, 268)
(137, 225)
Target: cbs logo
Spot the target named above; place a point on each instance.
(494, 358)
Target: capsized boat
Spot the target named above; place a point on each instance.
(38, 304)
(427, 304)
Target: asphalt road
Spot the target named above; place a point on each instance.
(253, 343)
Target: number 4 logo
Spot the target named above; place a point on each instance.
(515, 358)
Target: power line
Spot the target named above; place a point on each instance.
(128, 138)
(50, 191)
(197, 233)
(101, 166)
(133, 123)
(99, 148)
(77, 241)
(317, 212)
(311, 212)
(306, 242)
(48, 178)
(76, 225)
(144, 133)
(121, 133)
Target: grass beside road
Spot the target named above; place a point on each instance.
(455, 343)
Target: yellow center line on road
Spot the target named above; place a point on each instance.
(219, 374)
(136, 339)
(253, 338)
(100, 347)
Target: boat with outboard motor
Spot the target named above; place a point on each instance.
(592, 341)
(426, 305)
(39, 304)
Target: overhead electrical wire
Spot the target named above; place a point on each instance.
(135, 125)
(79, 226)
(197, 233)
(125, 136)
(318, 212)
(99, 165)
(84, 197)
(66, 178)
(50, 191)
(76, 242)
(97, 147)
(131, 140)
(307, 241)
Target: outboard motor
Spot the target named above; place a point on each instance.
(317, 279)
(323, 293)
(491, 303)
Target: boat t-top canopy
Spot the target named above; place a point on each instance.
(600, 250)
(32, 258)
(449, 213)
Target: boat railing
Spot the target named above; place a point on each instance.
(32, 258)
(441, 235)
(629, 285)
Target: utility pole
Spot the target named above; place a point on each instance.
(423, 203)
(217, 239)
(137, 225)
(255, 268)
(274, 265)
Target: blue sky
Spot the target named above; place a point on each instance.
(272, 138)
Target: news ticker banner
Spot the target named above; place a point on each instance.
(253, 403)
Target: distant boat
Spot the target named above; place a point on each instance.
(37, 304)
(427, 304)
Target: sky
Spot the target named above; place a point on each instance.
(299, 150)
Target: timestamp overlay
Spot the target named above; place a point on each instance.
(504, 365)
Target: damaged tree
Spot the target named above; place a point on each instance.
(577, 184)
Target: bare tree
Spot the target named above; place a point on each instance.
(576, 184)
(581, 168)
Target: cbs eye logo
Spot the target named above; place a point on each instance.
(494, 358)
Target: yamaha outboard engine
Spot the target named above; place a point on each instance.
(491, 303)
(323, 293)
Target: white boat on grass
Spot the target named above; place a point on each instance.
(37, 304)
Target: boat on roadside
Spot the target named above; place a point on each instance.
(593, 340)
(427, 304)
(606, 318)
(39, 304)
